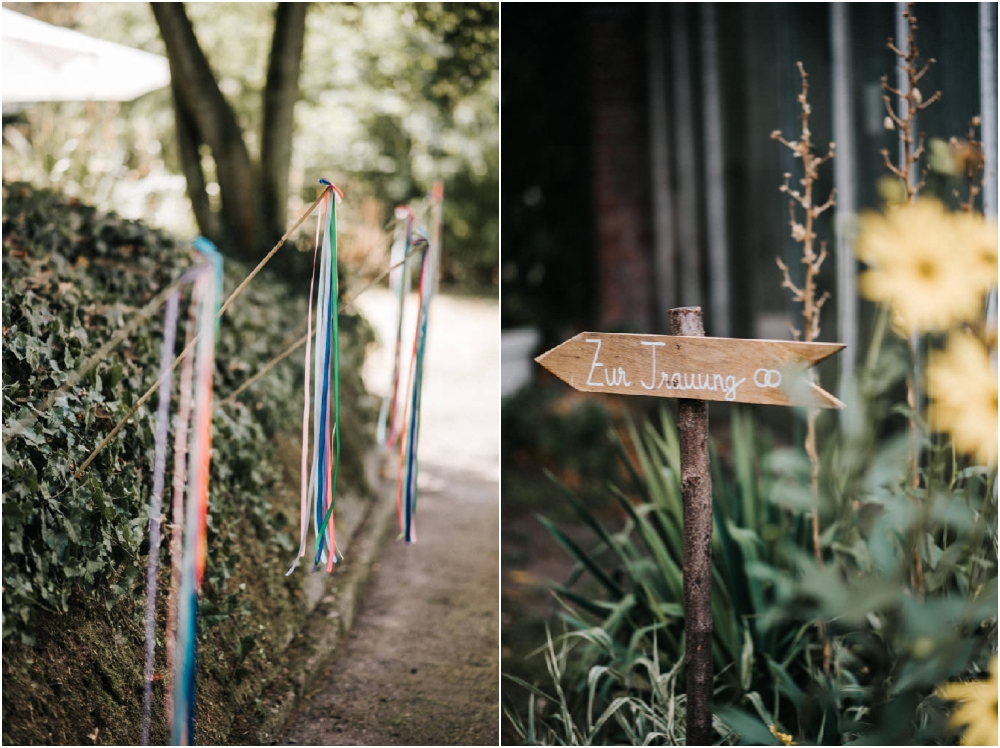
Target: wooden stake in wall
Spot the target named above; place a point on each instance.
(693, 368)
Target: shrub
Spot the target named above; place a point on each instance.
(888, 642)
(75, 551)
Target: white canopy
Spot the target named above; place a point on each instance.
(42, 62)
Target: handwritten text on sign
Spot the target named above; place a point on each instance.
(745, 371)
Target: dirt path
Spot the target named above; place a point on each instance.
(420, 666)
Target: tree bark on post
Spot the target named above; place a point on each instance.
(696, 492)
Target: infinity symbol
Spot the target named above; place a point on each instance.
(771, 378)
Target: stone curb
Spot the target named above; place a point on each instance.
(325, 628)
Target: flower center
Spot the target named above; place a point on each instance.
(926, 269)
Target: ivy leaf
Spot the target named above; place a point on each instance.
(116, 373)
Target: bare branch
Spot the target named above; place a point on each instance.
(787, 280)
(931, 100)
(830, 153)
(816, 310)
(900, 123)
(890, 89)
(924, 69)
(898, 52)
(822, 256)
(830, 202)
(776, 135)
(892, 167)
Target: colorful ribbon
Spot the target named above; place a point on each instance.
(177, 492)
(399, 282)
(406, 484)
(188, 563)
(319, 476)
(156, 500)
(207, 297)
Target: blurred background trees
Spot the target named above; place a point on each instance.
(390, 99)
(253, 210)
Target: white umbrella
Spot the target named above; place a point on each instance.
(42, 62)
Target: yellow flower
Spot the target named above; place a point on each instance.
(930, 265)
(977, 709)
(962, 386)
(784, 737)
(979, 237)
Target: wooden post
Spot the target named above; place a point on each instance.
(685, 364)
(696, 492)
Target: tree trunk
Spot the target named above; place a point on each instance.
(195, 86)
(188, 142)
(280, 94)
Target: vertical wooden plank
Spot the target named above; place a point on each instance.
(988, 96)
(664, 250)
(788, 84)
(696, 493)
(687, 165)
(715, 195)
(844, 178)
(902, 40)
(620, 158)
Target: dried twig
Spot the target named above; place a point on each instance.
(910, 102)
(804, 232)
(969, 155)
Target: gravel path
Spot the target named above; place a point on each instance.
(421, 663)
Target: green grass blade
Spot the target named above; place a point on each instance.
(582, 557)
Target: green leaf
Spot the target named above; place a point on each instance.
(750, 729)
(582, 557)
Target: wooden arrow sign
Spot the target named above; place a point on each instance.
(767, 372)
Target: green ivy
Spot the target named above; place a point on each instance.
(72, 277)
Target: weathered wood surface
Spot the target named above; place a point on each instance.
(696, 495)
(766, 372)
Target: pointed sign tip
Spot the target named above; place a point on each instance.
(824, 399)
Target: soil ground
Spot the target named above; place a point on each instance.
(421, 663)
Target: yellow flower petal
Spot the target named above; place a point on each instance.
(962, 386)
(930, 265)
(979, 236)
(977, 710)
(784, 737)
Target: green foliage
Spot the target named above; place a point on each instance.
(396, 97)
(907, 588)
(640, 721)
(72, 276)
(393, 98)
(847, 649)
(560, 435)
(60, 535)
(637, 610)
